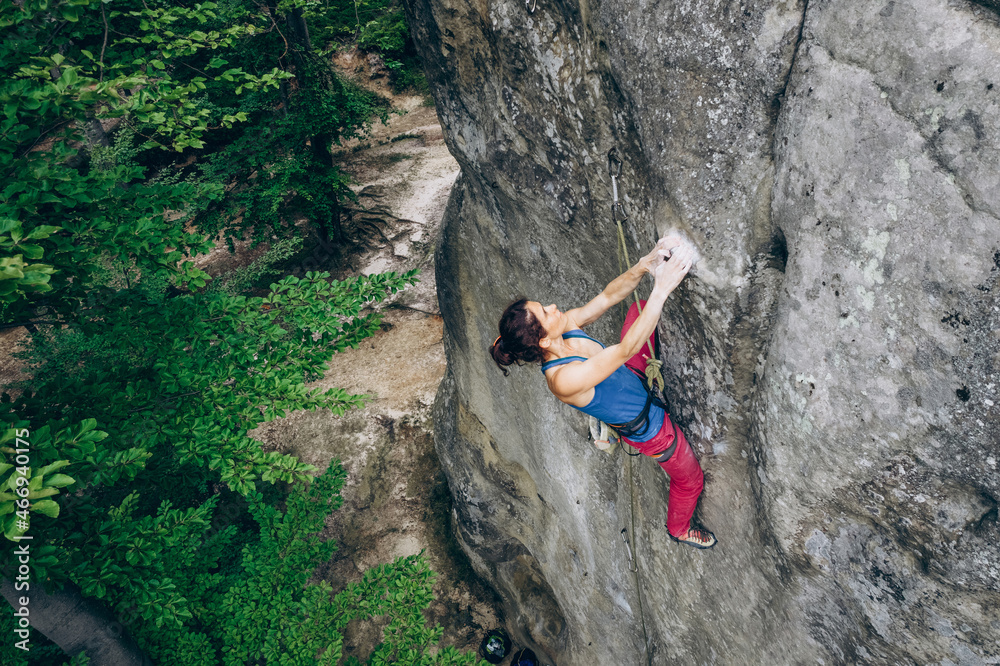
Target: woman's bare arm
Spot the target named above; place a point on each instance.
(619, 288)
(573, 379)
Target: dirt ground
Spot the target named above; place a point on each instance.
(396, 499)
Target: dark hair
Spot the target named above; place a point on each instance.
(519, 336)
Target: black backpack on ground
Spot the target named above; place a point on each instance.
(495, 646)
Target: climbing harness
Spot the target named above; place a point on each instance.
(632, 566)
(602, 433)
(640, 424)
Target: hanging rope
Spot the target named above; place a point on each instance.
(633, 561)
(654, 374)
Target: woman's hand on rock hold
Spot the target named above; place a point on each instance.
(651, 260)
(668, 274)
(662, 250)
(667, 244)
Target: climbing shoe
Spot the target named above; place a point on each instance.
(697, 538)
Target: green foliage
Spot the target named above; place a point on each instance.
(211, 79)
(176, 384)
(186, 379)
(81, 659)
(63, 70)
(281, 162)
(387, 34)
(264, 609)
(375, 26)
(346, 20)
(246, 278)
(165, 72)
(140, 482)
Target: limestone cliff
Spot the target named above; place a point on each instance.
(834, 360)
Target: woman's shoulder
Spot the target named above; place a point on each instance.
(577, 333)
(558, 362)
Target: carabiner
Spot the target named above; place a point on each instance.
(618, 212)
(531, 5)
(614, 163)
(632, 566)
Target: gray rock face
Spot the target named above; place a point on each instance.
(834, 359)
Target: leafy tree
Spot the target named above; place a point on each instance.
(176, 384)
(265, 610)
(59, 79)
(283, 152)
(145, 381)
(165, 70)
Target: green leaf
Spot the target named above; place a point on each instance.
(51, 467)
(46, 507)
(34, 277)
(70, 13)
(42, 231)
(59, 481)
(32, 251)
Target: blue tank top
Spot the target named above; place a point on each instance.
(619, 398)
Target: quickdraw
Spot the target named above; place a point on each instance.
(628, 549)
(615, 171)
(531, 5)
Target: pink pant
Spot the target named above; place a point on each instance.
(686, 477)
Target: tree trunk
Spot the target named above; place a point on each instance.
(331, 233)
(77, 624)
(308, 66)
(299, 30)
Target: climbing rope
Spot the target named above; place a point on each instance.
(654, 377)
(654, 374)
(634, 564)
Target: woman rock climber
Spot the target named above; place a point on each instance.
(595, 379)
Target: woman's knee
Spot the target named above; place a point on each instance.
(688, 477)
